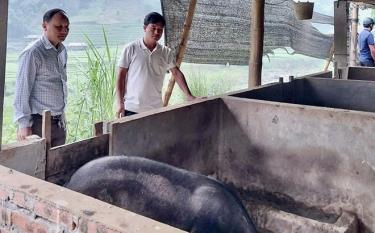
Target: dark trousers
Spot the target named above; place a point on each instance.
(129, 113)
(368, 64)
(58, 131)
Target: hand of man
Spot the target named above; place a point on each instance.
(22, 133)
(191, 97)
(120, 110)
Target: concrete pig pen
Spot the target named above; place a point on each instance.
(299, 154)
(33, 205)
(359, 73)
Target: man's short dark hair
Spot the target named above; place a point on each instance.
(49, 14)
(368, 22)
(154, 18)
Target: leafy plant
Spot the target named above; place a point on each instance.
(94, 99)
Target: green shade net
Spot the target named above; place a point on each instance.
(220, 31)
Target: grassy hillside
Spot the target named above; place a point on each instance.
(25, 16)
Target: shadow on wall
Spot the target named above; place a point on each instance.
(248, 166)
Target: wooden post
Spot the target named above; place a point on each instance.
(46, 128)
(3, 55)
(182, 48)
(354, 38)
(98, 128)
(256, 40)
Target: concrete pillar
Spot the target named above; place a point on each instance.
(353, 37)
(341, 37)
(3, 49)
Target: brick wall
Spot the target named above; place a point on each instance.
(28, 204)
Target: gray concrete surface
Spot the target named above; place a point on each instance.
(322, 92)
(184, 136)
(361, 73)
(28, 156)
(273, 220)
(309, 161)
(318, 157)
(63, 161)
(322, 74)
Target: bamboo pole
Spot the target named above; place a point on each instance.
(182, 48)
(330, 56)
(354, 38)
(3, 48)
(256, 40)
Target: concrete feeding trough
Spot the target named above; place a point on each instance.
(358, 73)
(299, 154)
(320, 92)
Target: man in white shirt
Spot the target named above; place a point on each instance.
(142, 67)
(41, 80)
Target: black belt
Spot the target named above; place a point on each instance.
(54, 118)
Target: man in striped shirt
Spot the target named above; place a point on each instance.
(41, 80)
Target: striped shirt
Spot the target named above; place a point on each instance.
(41, 81)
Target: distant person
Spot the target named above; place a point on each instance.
(366, 44)
(142, 67)
(41, 80)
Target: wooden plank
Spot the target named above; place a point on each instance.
(3, 49)
(256, 41)
(46, 128)
(63, 161)
(182, 48)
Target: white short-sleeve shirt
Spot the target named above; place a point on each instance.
(146, 71)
